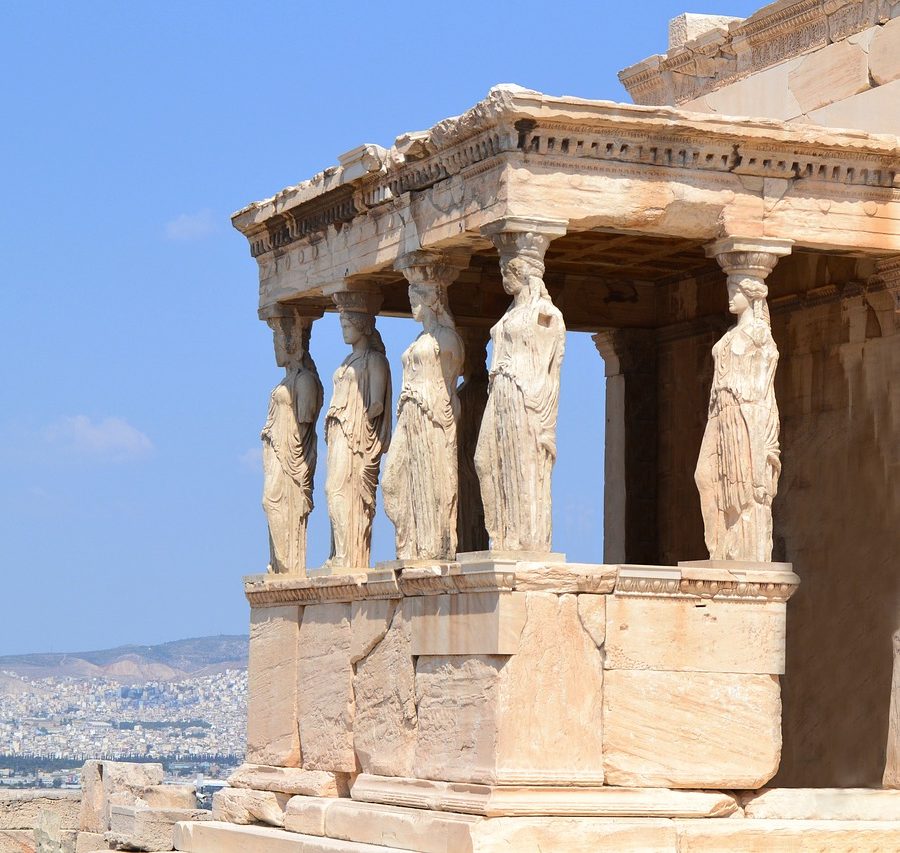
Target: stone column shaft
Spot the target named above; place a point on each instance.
(630, 523)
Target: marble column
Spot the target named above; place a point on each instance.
(473, 393)
(420, 483)
(517, 442)
(357, 430)
(630, 525)
(289, 446)
(740, 458)
(891, 777)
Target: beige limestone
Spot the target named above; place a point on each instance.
(290, 780)
(149, 829)
(576, 835)
(89, 842)
(126, 780)
(289, 443)
(690, 730)
(244, 805)
(385, 698)
(823, 804)
(487, 623)
(325, 704)
(689, 26)
(272, 728)
(217, 837)
(19, 809)
(517, 442)
(884, 53)
(592, 613)
(567, 744)
(766, 93)
(834, 73)
(796, 836)
(306, 814)
(456, 698)
(167, 796)
(91, 811)
(17, 841)
(696, 635)
(891, 778)
(740, 457)
(408, 829)
(369, 622)
(420, 483)
(357, 431)
(509, 800)
(874, 110)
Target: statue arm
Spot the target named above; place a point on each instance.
(308, 399)
(379, 376)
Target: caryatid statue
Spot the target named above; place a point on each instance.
(517, 442)
(737, 472)
(357, 432)
(420, 474)
(289, 442)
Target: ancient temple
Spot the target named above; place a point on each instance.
(721, 677)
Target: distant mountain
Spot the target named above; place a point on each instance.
(135, 664)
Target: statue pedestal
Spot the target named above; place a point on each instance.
(510, 702)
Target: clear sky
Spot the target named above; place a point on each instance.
(135, 374)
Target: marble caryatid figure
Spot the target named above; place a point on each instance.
(357, 432)
(289, 443)
(420, 474)
(517, 442)
(737, 472)
(473, 394)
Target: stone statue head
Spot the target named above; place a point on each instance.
(428, 303)
(356, 325)
(748, 293)
(291, 334)
(523, 273)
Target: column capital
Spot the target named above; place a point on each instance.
(427, 266)
(358, 296)
(887, 274)
(524, 235)
(626, 350)
(748, 256)
(305, 312)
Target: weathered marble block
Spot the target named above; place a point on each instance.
(518, 672)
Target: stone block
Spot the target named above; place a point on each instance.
(369, 622)
(306, 814)
(765, 93)
(385, 695)
(831, 74)
(17, 841)
(695, 635)
(121, 781)
(243, 805)
(325, 705)
(290, 780)
(475, 623)
(556, 661)
(823, 804)
(457, 699)
(875, 111)
(690, 730)
(90, 842)
(19, 809)
(884, 53)
(149, 829)
(575, 835)
(213, 837)
(592, 613)
(407, 829)
(543, 800)
(168, 796)
(91, 812)
(689, 26)
(796, 836)
(272, 731)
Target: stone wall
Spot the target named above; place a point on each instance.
(838, 389)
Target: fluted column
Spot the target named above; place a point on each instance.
(420, 476)
(739, 465)
(473, 393)
(357, 429)
(630, 528)
(517, 443)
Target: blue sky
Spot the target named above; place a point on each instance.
(135, 373)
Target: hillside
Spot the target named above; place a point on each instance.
(135, 664)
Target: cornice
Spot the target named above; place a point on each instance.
(573, 133)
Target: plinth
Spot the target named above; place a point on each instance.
(505, 701)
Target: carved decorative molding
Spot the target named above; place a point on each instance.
(570, 133)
